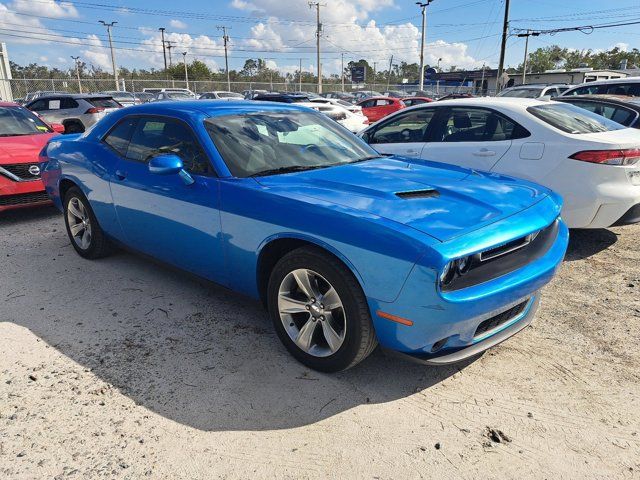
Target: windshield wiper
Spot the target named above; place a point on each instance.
(289, 169)
(364, 159)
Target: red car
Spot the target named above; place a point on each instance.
(22, 137)
(411, 101)
(375, 108)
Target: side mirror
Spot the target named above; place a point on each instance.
(169, 164)
(57, 127)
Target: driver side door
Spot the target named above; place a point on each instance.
(404, 134)
(161, 215)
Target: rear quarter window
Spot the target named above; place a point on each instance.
(103, 102)
(572, 119)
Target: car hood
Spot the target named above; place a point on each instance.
(440, 200)
(22, 148)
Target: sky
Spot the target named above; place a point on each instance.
(461, 33)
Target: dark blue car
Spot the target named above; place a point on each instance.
(347, 249)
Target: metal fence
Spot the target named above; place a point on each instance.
(21, 87)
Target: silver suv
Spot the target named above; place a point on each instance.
(75, 112)
(534, 91)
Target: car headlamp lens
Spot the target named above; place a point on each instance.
(464, 264)
(448, 272)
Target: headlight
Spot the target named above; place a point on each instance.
(455, 268)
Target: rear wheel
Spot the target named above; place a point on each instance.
(83, 229)
(319, 311)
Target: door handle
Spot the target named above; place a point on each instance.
(483, 152)
(411, 153)
(120, 175)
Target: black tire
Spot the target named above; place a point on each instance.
(359, 338)
(98, 246)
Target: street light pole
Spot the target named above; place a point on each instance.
(113, 57)
(423, 6)
(528, 34)
(77, 61)
(186, 75)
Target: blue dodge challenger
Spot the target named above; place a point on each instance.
(346, 248)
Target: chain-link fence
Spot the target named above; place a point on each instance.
(20, 88)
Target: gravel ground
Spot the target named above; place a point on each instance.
(122, 368)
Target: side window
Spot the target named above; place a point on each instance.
(552, 92)
(155, 136)
(589, 90)
(479, 125)
(367, 104)
(410, 127)
(617, 114)
(54, 104)
(66, 102)
(39, 105)
(118, 137)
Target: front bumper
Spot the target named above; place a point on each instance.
(443, 326)
(507, 330)
(21, 194)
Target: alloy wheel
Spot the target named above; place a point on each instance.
(312, 313)
(79, 223)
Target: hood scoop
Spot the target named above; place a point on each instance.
(429, 193)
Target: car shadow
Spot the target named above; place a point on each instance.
(187, 349)
(586, 243)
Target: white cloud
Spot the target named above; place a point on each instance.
(177, 24)
(47, 8)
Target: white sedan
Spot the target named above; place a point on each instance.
(592, 162)
(354, 122)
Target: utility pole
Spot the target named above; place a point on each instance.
(318, 35)
(423, 6)
(169, 47)
(186, 75)
(342, 69)
(482, 90)
(113, 57)
(374, 76)
(526, 51)
(389, 76)
(300, 77)
(225, 38)
(164, 50)
(77, 61)
(503, 46)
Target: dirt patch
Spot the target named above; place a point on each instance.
(121, 368)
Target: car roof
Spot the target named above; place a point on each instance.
(74, 95)
(611, 80)
(508, 102)
(210, 108)
(380, 98)
(620, 99)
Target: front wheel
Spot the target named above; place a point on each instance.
(83, 229)
(319, 311)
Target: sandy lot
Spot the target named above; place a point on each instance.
(121, 368)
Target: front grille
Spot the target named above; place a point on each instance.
(499, 319)
(21, 170)
(23, 199)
